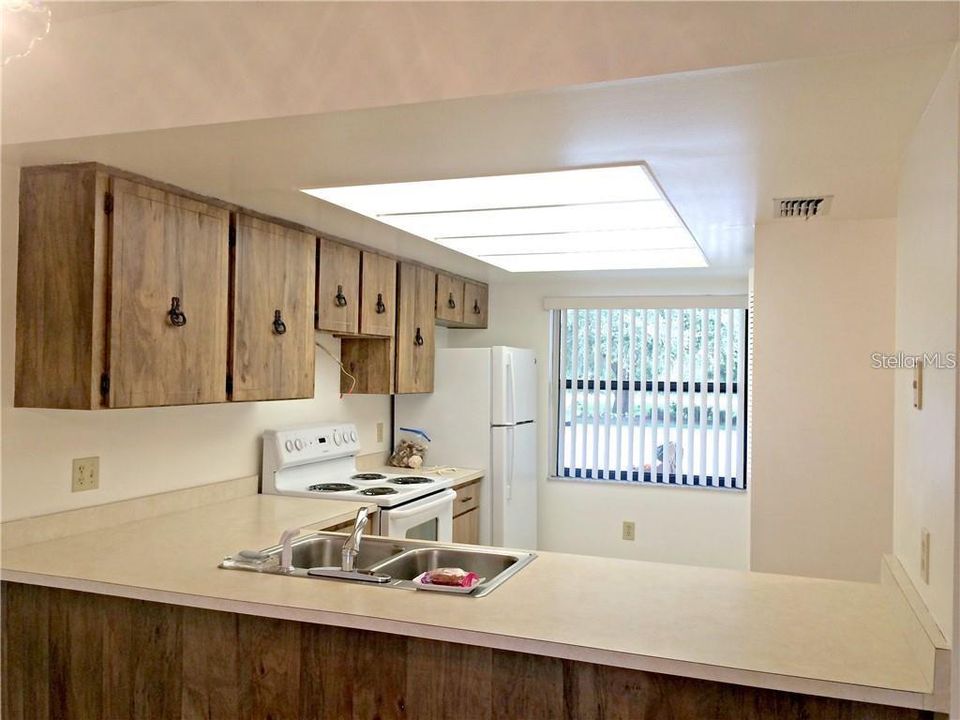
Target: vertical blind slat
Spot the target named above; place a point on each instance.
(703, 396)
(681, 339)
(586, 364)
(690, 399)
(573, 372)
(596, 391)
(655, 373)
(606, 375)
(643, 394)
(620, 393)
(716, 398)
(563, 394)
(728, 410)
(631, 463)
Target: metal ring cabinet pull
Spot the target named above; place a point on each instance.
(176, 315)
(476, 307)
(340, 298)
(451, 303)
(279, 327)
(381, 308)
(418, 340)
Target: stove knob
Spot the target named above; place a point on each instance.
(353, 435)
(298, 443)
(336, 437)
(289, 445)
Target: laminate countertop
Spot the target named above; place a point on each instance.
(820, 637)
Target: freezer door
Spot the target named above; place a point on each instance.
(514, 486)
(513, 385)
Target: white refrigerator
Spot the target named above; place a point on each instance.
(482, 414)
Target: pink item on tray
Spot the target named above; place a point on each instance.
(449, 577)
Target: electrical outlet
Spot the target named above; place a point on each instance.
(379, 432)
(86, 474)
(629, 530)
(925, 555)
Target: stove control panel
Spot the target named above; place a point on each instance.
(297, 446)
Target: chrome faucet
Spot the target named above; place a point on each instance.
(351, 546)
(286, 551)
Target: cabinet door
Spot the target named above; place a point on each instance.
(466, 528)
(415, 326)
(168, 318)
(338, 287)
(474, 305)
(272, 355)
(449, 299)
(378, 295)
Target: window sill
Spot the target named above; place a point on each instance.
(672, 486)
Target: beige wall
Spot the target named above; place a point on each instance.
(822, 418)
(679, 525)
(926, 321)
(142, 451)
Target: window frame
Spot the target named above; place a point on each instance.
(559, 386)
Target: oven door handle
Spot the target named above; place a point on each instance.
(445, 497)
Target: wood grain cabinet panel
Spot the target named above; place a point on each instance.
(378, 295)
(475, 304)
(121, 294)
(466, 528)
(272, 353)
(74, 655)
(415, 329)
(338, 287)
(168, 320)
(449, 299)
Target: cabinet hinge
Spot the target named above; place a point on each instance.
(104, 384)
(229, 384)
(108, 203)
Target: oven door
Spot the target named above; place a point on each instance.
(429, 518)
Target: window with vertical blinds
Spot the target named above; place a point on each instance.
(652, 395)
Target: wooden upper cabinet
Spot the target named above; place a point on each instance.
(168, 318)
(272, 353)
(449, 299)
(474, 305)
(378, 295)
(122, 293)
(338, 287)
(416, 296)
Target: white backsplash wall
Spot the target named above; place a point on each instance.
(679, 525)
(149, 450)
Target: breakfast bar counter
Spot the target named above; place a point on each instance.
(815, 637)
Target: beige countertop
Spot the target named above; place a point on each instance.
(825, 637)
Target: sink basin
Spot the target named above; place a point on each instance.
(325, 550)
(413, 562)
(493, 565)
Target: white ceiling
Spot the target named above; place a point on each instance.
(163, 65)
(723, 143)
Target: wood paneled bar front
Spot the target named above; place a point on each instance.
(70, 654)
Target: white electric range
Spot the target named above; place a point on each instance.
(319, 461)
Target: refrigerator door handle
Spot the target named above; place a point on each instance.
(508, 480)
(511, 416)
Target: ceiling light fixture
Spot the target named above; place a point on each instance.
(605, 218)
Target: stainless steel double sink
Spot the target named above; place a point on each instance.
(395, 563)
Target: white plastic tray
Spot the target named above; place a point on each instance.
(444, 588)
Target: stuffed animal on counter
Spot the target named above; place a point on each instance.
(409, 454)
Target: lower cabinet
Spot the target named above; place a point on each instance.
(466, 514)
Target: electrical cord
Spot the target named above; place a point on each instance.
(353, 380)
